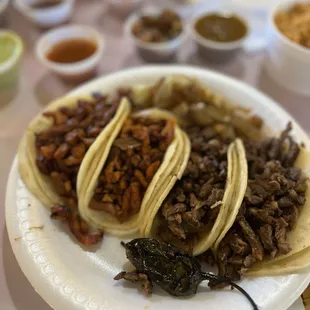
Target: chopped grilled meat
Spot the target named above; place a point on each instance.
(276, 189)
(135, 276)
(238, 245)
(196, 197)
(266, 234)
(61, 148)
(280, 236)
(134, 159)
(79, 228)
(257, 248)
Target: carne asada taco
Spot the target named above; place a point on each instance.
(131, 170)
(65, 141)
(193, 220)
(298, 237)
(269, 233)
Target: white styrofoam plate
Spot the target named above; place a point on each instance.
(70, 278)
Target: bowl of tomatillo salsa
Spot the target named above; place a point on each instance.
(157, 34)
(219, 35)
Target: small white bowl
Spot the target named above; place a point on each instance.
(217, 51)
(287, 62)
(46, 17)
(155, 52)
(80, 70)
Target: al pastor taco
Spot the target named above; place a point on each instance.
(131, 172)
(61, 149)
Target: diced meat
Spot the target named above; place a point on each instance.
(132, 163)
(257, 248)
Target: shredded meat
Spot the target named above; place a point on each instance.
(134, 159)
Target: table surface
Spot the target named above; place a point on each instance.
(38, 87)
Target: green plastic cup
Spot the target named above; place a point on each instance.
(11, 49)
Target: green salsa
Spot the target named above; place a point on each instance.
(221, 28)
(7, 47)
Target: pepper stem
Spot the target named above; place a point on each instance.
(213, 277)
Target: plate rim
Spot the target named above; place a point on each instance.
(188, 70)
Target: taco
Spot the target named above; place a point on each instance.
(63, 145)
(268, 232)
(131, 171)
(190, 213)
(194, 103)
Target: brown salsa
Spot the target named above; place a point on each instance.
(45, 4)
(72, 50)
(221, 28)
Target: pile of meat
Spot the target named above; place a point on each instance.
(61, 149)
(158, 28)
(193, 204)
(135, 157)
(276, 190)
